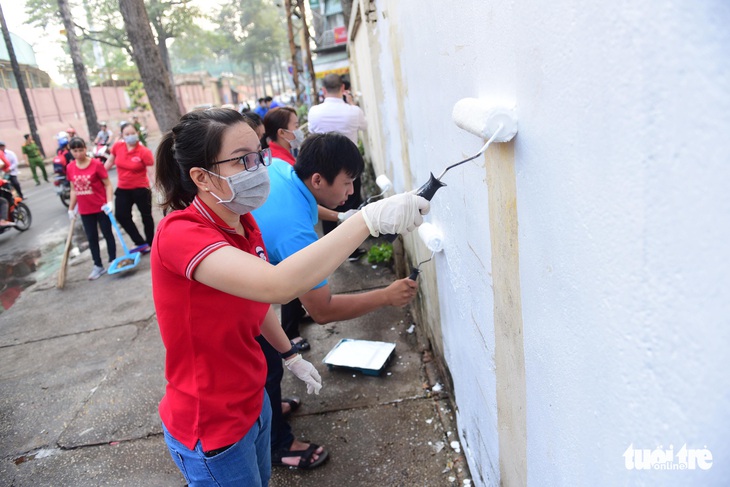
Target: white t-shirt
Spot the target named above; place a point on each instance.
(13, 160)
(334, 115)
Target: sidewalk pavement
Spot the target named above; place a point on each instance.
(81, 374)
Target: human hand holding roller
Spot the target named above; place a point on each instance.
(397, 214)
(490, 120)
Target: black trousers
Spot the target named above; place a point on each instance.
(92, 223)
(281, 434)
(142, 198)
(16, 184)
(291, 314)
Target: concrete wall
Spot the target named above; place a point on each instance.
(57, 109)
(582, 297)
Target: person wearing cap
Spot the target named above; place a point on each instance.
(104, 136)
(33, 157)
(12, 168)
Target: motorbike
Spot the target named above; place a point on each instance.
(62, 184)
(18, 212)
(101, 152)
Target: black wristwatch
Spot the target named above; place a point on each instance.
(292, 351)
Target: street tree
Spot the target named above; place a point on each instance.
(255, 30)
(147, 57)
(169, 19)
(19, 79)
(84, 91)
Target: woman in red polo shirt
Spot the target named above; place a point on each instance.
(133, 186)
(212, 286)
(282, 130)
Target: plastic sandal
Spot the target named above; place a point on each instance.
(293, 402)
(305, 461)
(302, 345)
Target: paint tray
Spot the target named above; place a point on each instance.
(365, 356)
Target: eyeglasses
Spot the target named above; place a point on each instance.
(252, 160)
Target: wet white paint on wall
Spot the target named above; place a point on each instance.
(621, 173)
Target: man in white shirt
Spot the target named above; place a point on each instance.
(104, 136)
(334, 114)
(12, 170)
(346, 118)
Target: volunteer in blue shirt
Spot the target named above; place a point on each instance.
(323, 175)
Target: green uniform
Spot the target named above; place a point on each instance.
(142, 138)
(35, 159)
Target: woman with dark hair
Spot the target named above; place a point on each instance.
(91, 192)
(212, 286)
(283, 133)
(133, 186)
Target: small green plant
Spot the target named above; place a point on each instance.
(380, 253)
(137, 94)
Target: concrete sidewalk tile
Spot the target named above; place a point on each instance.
(400, 444)
(43, 311)
(124, 406)
(145, 462)
(44, 384)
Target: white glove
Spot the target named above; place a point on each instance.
(306, 372)
(342, 216)
(398, 214)
(106, 208)
(71, 214)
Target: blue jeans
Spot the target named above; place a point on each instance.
(247, 462)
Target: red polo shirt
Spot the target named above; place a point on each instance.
(132, 165)
(279, 152)
(88, 183)
(214, 367)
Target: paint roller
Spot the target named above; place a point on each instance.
(490, 120)
(434, 240)
(384, 184)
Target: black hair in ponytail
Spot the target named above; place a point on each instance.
(194, 142)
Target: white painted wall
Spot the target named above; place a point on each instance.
(623, 168)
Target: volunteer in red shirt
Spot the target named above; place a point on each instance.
(92, 190)
(282, 130)
(212, 286)
(133, 186)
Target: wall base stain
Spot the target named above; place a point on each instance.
(509, 353)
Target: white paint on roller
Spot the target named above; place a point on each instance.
(431, 236)
(483, 118)
(383, 183)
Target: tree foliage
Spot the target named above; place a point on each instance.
(103, 23)
(254, 28)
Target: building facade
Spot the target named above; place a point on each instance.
(330, 37)
(580, 306)
(33, 76)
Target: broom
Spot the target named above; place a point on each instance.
(66, 252)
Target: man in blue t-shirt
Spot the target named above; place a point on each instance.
(323, 175)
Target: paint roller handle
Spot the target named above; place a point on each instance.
(427, 191)
(414, 274)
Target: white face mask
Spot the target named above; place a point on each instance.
(249, 190)
(131, 139)
(296, 143)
